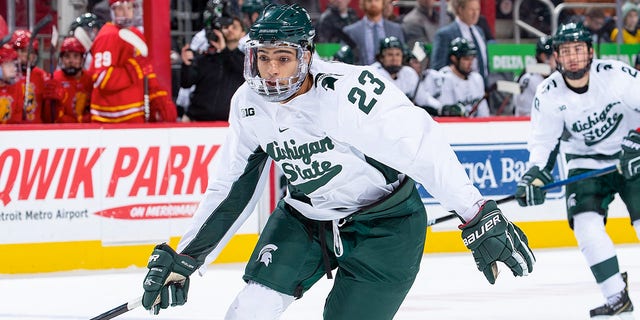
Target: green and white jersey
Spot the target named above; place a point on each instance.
(591, 124)
(345, 144)
(406, 80)
(465, 91)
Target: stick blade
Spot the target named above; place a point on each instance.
(131, 38)
(83, 37)
(508, 87)
(539, 68)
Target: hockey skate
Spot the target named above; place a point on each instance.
(622, 306)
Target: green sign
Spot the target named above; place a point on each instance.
(514, 57)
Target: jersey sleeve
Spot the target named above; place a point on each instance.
(625, 80)
(547, 125)
(239, 177)
(379, 120)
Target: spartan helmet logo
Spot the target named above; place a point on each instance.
(265, 254)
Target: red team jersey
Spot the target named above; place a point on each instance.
(73, 107)
(10, 104)
(118, 93)
(34, 112)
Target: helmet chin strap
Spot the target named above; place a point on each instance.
(574, 75)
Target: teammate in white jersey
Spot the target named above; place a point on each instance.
(529, 81)
(591, 108)
(350, 145)
(463, 92)
(390, 64)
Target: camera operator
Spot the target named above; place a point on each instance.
(216, 74)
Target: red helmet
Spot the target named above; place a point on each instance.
(111, 2)
(71, 44)
(20, 40)
(7, 53)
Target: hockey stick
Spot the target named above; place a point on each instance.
(582, 176)
(83, 37)
(131, 38)
(147, 111)
(52, 67)
(36, 29)
(126, 307)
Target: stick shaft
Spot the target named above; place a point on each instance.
(582, 176)
(123, 308)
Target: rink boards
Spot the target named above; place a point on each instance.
(92, 197)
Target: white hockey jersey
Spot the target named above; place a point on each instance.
(523, 101)
(468, 92)
(345, 144)
(430, 89)
(591, 124)
(406, 80)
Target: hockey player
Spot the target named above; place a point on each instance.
(118, 72)
(91, 25)
(429, 88)
(463, 92)
(350, 144)
(71, 86)
(529, 81)
(390, 64)
(10, 102)
(592, 109)
(33, 111)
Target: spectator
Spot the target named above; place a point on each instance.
(529, 80)
(119, 71)
(463, 92)
(630, 34)
(70, 89)
(337, 16)
(422, 22)
(216, 75)
(595, 20)
(467, 15)
(10, 103)
(390, 65)
(368, 31)
(31, 79)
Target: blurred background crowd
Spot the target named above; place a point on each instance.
(92, 63)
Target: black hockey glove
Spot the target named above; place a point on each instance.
(528, 192)
(491, 238)
(630, 156)
(453, 110)
(167, 282)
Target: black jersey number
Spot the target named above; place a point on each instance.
(359, 96)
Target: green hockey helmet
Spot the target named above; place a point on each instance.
(391, 42)
(571, 32)
(461, 47)
(286, 23)
(544, 45)
(252, 6)
(89, 22)
(344, 54)
(279, 26)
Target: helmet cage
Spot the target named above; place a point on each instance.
(279, 89)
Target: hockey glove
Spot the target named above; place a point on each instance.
(528, 192)
(453, 110)
(491, 238)
(53, 90)
(167, 282)
(630, 156)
